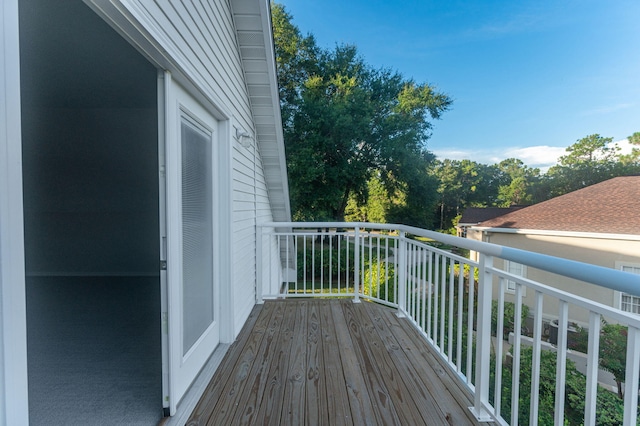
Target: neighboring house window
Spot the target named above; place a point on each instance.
(516, 269)
(628, 302)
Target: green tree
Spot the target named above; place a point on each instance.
(346, 122)
(613, 352)
(374, 207)
(462, 184)
(631, 161)
(517, 182)
(590, 160)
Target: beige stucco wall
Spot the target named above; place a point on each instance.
(603, 252)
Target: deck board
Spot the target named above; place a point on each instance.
(339, 411)
(331, 362)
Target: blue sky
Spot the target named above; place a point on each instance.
(528, 78)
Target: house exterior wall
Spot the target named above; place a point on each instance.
(198, 44)
(203, 44)
(609, 253)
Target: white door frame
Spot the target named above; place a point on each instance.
(14, 404)
(185, 363)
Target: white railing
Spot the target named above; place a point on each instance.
(452, 300)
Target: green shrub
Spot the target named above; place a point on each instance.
(374, 283)
(509, 316)
(609, 408)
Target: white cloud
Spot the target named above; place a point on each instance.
(624, 145)
(541, 156)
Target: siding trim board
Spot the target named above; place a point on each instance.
(597, 235)
(14, 407)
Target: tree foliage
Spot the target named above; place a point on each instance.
(590, 160)
(613, 352)
(466, 183)
(609, 408)
(346, 122)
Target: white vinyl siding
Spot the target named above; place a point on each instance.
(628, 302)
(203, 42)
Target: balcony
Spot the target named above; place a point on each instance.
(376, 324)
(331, 361)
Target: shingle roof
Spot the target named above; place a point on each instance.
(474, 215)
(611, 207)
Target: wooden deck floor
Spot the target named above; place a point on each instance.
(308, 362)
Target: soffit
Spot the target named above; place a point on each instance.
(255, 40)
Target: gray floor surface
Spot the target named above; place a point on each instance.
(94, 350)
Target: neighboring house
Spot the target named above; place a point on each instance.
(140, 145)
(599, 224)
(474, 215)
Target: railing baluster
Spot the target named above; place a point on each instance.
(290, 261)
(443, 296)
(378, 263)
(516, 349)
(304, 269)
(340, 260)
(535, 368)
(416, 283)
(436, 297)
(561, 367)
(402, 275)
(424, 289)
(459, 318)
(470, 322)
(313, 264)
(348, 255)
(412, 280)
(593, 356)
(260, 291)
(483, 341)
(631, 377)
(499, 344)
(429, 293)
(330, 262)
(451, 285)
(322, 235)
(356, 265)
(386, 268)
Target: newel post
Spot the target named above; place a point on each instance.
(259, 274)
(356, 266)
(402, 275)
(483, 340)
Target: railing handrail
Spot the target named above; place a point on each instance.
(599, 275)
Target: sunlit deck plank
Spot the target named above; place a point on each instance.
(331, 362)
(258, 377)
(213, 392)
(339, 410)
(270, 409)
(418, 399)
(362, 412)
(445, 391)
